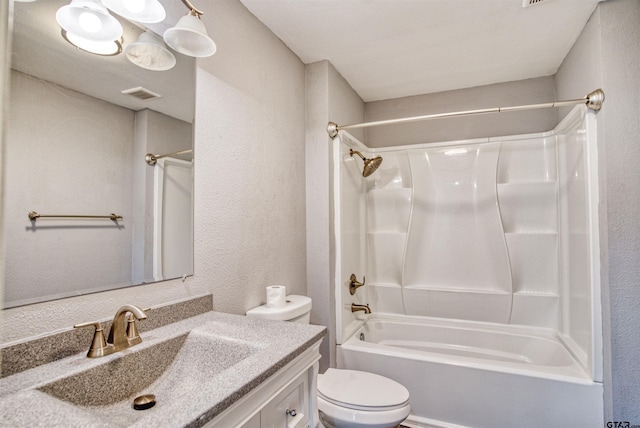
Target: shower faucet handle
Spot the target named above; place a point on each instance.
(354, 284)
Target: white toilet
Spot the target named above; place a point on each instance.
(347, 398)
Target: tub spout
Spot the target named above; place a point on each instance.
(364, 308)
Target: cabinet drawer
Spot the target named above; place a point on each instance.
(295, 399)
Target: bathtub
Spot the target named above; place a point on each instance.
(472, 374)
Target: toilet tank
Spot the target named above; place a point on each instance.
(296, 309)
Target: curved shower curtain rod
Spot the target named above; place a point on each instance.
(593, 101)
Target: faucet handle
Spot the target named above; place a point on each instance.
(354, 284)
(132, 329)
(98, 346)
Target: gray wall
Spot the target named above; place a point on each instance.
(329, 98)
(521, 92)
(606, 55)
(249, 163)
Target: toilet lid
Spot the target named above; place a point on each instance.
(361, 390)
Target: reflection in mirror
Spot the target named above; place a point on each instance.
(76, 145)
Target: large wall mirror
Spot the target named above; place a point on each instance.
(79, 128)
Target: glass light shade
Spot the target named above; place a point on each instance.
(89, 20)
(110, 48)
(150, 52)
(189, 37)
(147, 11)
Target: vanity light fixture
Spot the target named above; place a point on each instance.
(189, 36)
(147, 11)
(89, 20)
(150, 52)
(110, 48)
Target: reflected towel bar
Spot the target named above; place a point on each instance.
(593, 101)
(33, 216)
(151, 159)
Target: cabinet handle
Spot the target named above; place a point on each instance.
(291, 413)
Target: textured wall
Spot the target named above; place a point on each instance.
(329, 97)
(249, 163)
(620, 26)
(606, 55)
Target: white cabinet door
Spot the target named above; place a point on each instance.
(290, 408)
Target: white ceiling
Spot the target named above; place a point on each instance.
(394, 48)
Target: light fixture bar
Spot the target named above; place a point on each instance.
(192, 7)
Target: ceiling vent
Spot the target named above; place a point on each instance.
(141, 93)
(527, 3)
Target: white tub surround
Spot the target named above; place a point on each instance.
(501, 232)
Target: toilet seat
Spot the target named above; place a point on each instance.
(358, 390)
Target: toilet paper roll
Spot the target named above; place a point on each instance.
(276, 296)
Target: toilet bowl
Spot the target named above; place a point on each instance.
(347, 398)
(351, 398)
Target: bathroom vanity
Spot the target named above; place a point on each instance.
(211, 369)
(287, 399)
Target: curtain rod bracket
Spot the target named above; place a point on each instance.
(595, 100)
(332, 129)
(152, 159)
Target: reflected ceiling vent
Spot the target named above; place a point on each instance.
(141, 93)
(527, 3)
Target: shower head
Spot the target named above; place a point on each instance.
(370, 165)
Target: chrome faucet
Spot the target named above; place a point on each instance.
(365, 308)
(120, 337)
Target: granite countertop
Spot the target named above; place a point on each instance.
(240, 352)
